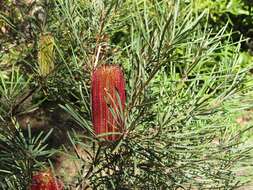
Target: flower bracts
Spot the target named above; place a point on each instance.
(108, 101)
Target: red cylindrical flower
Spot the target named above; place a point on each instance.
(108, 101)
(45, 181)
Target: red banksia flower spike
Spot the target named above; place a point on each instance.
(45, 181)
(108, 101)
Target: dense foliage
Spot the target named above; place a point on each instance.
(236, 13)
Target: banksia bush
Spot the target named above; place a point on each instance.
(46, 54)
(181, 78)
(108, 101)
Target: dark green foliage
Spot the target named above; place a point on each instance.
(237, 13)
(21, 154)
